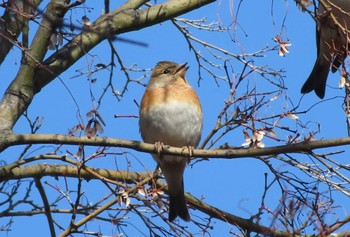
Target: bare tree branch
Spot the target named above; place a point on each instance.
(302, 147)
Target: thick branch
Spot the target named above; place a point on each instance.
(41, 170)
(24, 139)
(11, 24)
(125, 19)
(20, 93)
(31, 79)
(246, 224)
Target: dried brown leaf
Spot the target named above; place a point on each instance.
(292, 116)
(283, 46)
(98, 127)
(100, 118)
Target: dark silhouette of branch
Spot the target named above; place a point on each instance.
(46, 206)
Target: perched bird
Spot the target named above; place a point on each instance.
(332, 24)
(171, 114)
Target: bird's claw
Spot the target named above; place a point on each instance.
(190, 152)
(159, 147)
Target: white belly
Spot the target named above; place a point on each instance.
(176, 124)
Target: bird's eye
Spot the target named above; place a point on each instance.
(166, 71)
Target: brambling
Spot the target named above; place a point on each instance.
(171, 114)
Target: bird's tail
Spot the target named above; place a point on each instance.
(317, 79)
(178, 206)
(173, 168)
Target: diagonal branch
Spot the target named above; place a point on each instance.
(34, 75)
(12, 23)
(46, 206)
(94, 214)
(41, 170)
(20, 93)
(124, 19)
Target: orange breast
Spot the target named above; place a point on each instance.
(159, 95)
(172, 116)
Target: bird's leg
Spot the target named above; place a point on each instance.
(190, 152)
(159, 146)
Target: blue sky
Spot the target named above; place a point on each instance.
(235, 185)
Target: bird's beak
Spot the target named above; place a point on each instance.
(181, 70)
